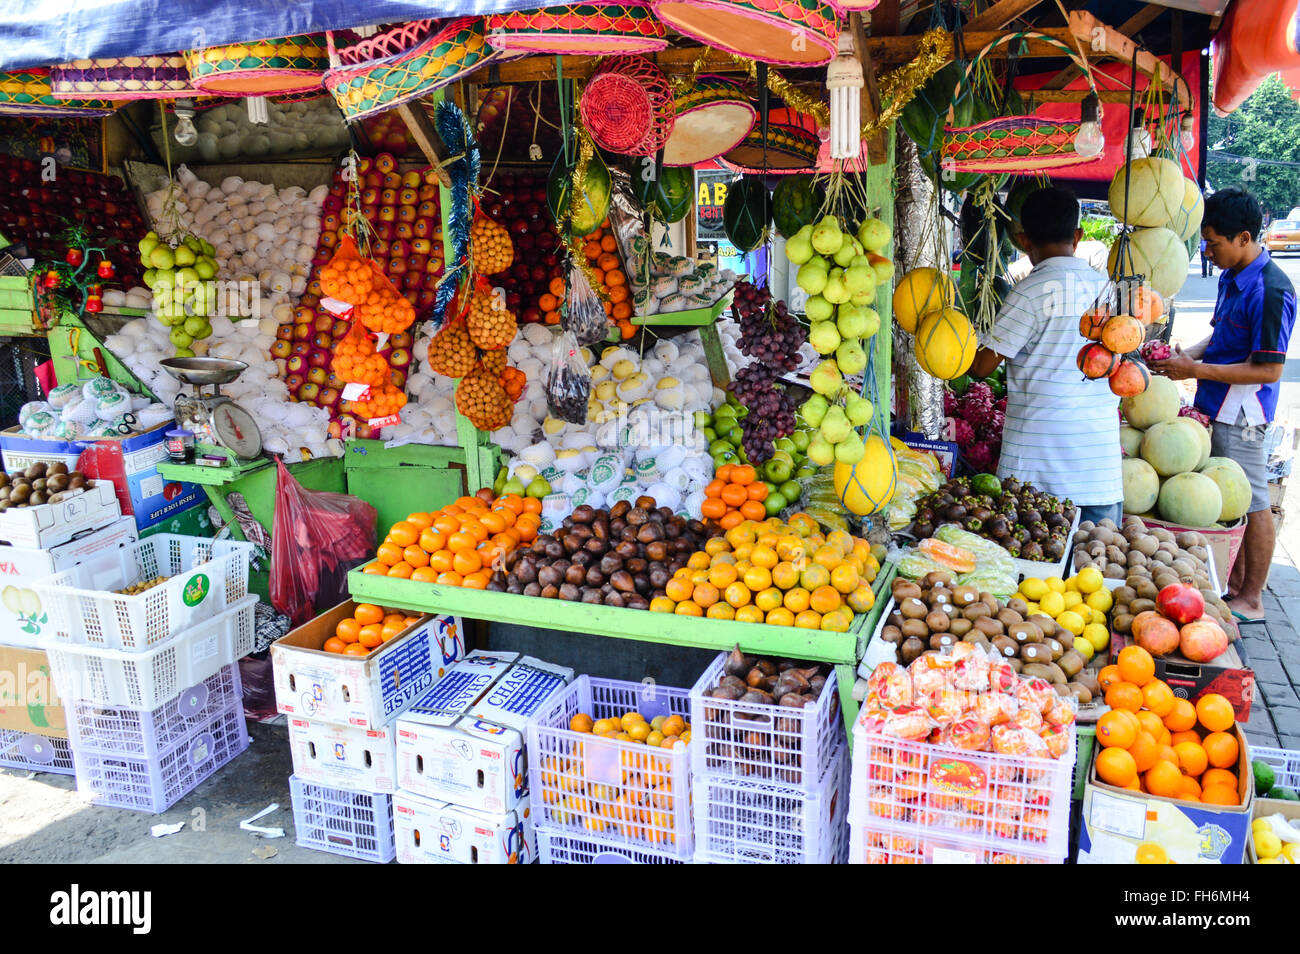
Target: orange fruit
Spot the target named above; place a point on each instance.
(389, 554)
(1108, 676)
(376, 569)
(404, 533)
(1136, 665)
(424, 574)
(415, 556)
(1144, 750)
(737, 594)
(1181, 716)
(347, 630)
(1221, 749)
(699, 560)
(1188, 736)
(749, 614)
(757, 491)
(1189, 786)
(334, 645)
(450, 578)
(401, 571)
(780, 617)
(532, 505)
(1191, 758)
(797, 600)
(678, 589)
(706, 594)
(1124, 695)
(721, 610)
(733, 495)
(752, 510)
(432, 540)
(1115, 731)
(808, 619)
(722, 574)
(743, 474)
(687, 608)
(662, 604)
(763, 556)
(460, 542)
(1150, 722)
(1220, 795)
(845, 578)
(440, 561)
(785, 576)
(1218, 776)
(813, 576)
(421, 520)
(367, 613)
(1167, 754)
(446, 524)
(356, 649)
(371, 636)
(1116, 767)
(723, 473)
(478, 580)
(713, 508)
(580, 723)
(757, 578)
(1215, 712)
(824, 599)
(1164, 779)
(466, 562)
(1158, 697)
(769, 599)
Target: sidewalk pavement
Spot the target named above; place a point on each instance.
(1272, 650)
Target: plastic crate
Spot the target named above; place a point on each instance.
(155, 783)
(876, 846)
(760, 742)
(742, 822)
(113, 730)
(343, 822)
(147, 680)
(626, 792)
(1285, 764)
(35, 753)
(1085, 741)
(1006, 803)
(562, 848)
(206, 577)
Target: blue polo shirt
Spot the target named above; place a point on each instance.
(1253, 318)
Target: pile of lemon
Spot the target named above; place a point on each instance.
(1079, 605)
(1269, 848)
(665, 732)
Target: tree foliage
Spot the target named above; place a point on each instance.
(1265, 127)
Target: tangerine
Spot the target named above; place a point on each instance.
(367, 613)
(1108, 676)
(1116, 767)
(721, 610)
(1181, 716)
(356, 649)
(389, 554)
(737, 594)
(808, 619)
(1158, 697)
(1215, 712)
(347, 630)
(1145, 751)
(415, 556)
(424, 574)
(404, 533)
(1191, 758)
(1189, 786)
(1221, 749)
(1124, 695)
(371, 636)
(1218, 776)
(1150, 722)
(824, 599)
(1115, 731)
(1163, 779)
(780, 617)
(334, 645)
(1220, 795)
(401, 571)
(1136, 665)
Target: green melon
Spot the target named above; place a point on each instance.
(1130, 441)
(1203, 434)
(747, 213)
(795, 203)
(1157, 253)
(1141, 485)
(591, 207)
(1155, 192)
(666, 191)
(1171, 447)
(1159, 402)
(1187, 220)
(1233, 486)
(1190, 500)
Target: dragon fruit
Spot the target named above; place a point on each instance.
(977, 404)
(982, 457)
(1155, 351)
(992, 430)
(950, 403)
(962, 432)
(1189, 411)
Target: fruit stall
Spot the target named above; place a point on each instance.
(584, 383)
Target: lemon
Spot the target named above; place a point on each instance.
(1083, 647)
(1089, 580)
(1267, 844)
(1032, 607)
(1271, 861)
(1053, 604)
(1055, 584)
(1101, 600)
(1291, 852)
(1071, 622)
(1098, 617)
(1033, 588)
(1097, 635)
(1071, 586)
(1072, 599)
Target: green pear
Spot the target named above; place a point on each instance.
(883, 267)
(826, 236)
(874, 234)
(180, 338)
(857, 321)
(835, 291)
(826, 378)
(850, 357)
(184, 255)
(538, 487)
(149, 275)
(820, 452)
(859, 410)
(812, 276)
(798, 247)
(208, 248)
(147, 245)
(162, 258)
(513, 486)
(860, 278)
(850, 450)
(813, 410)
(818, 308)
(205, 269)
(824, 337)
(845, 253)
(863, 297)
(835, 425)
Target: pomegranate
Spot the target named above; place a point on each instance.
(1096, 360)
(1130, 379)
(1159, 636)
(1202, 640)
(1180, 603)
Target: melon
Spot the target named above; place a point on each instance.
(1187, 219)
(1159, 402)
(1130, 441)
(945, 344)
(1141, 485)
(747, 213)
(1203, 434)
(919, 292)
(1233, 485)
(867, 486)
(1190, 500)
(1156, 253)
(667, 191)
(591, 208)
(795, 203)
(1171, 448)
(1155, 192)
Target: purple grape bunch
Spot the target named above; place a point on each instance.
(770, 336)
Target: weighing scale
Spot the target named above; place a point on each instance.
(219, 424)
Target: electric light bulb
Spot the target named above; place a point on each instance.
(1139, 142)
(185, 134)
(1186, 133)
(1089, 141)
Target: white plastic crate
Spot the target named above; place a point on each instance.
(1006, 803)
(115, 730)
(1285, 764)
(626, 792)
(742, 822)
(155, 783)
(343, 822)
(206, 576)
(875, 846)
(760, 742)
(564, 848)
(35, 753)
(146, 680)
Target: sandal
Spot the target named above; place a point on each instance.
(1241, 618)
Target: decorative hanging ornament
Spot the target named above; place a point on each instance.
(845, 81)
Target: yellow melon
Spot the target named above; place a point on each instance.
(919, 292)
(867, 486)
(1157, 254)
(1155, 192)
(945, 344)
(1187, 220)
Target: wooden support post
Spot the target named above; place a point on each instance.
(877, 148)
(1000, 14)
(426, 137)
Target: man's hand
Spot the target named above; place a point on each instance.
(1178, 367)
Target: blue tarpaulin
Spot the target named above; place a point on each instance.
(44, 32)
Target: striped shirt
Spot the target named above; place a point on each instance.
(1062, 430)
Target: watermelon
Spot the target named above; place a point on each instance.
(747, 213)
(664, 191)
(592, 207)
(795, 203)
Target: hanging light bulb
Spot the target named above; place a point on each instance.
(185, 134)
(844, 80)
(257, 112)
(1089, 141)
(1138, 145)
(1186, 131)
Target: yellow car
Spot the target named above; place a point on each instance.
(1283, 236)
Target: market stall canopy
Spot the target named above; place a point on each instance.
(1248, 48)
(60, 31)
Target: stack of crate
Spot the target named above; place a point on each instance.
(342, 726)
(143, 645)
(463, 793)
(770, 783)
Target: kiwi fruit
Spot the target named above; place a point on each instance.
(913, 608)
(1142, 606)
(56, 484)
(891, 634)
(937, 621)
(1036, 653)
(1049, 671)
(1017, 605)
(942, 641)
(976, 610)
(1055, 645)
(35, 470)
(905, 589)
(963, 596)
(1088, 679)
(1007, 646)
(1025, 633)
(959, 626)
(912, 648)
(915, 629)
(989, 626)
(1071, 662)
(1123, 622)
(1015, 664)
(1009, 617)
(1080, 692)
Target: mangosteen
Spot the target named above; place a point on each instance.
(1028, 516)
(954, 511)
(998, 527)
(983, 513)
(1054, 520)
(1038, 530)
(922, 529)
(1031, 551)
(973, 524)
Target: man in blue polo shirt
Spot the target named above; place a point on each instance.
(1237, 369)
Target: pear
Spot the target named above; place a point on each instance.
(824, 337)
(814, 409)
(846, 252)
(874, 234)
(883, 267)
(826, 378)
(850, 357)
(818, 308)
(859, 410)
(147, 245)
(184, 255)
(863, 297)
(513, 486)
(820, 452)
(798, 247)
(857, 321)
(860, 278)
(826, 237)
(850, 450)
(812, 276)
(208, 249)
(835, 291)
(162, 258)
(835, 425)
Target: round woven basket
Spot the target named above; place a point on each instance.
(790, 148)
(711, 119)
(628, 106)
(405, 63)
(579, 28)
(126, 77)
(292, 64)
(28, 93)
(784, 32)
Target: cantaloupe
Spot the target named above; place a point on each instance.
(1157, 253)
(919, 292)
(1141, 485)
(1190, 500)
(1155, 192)
(1203, 434)
(1233, 486)
(1187, 220)
(1171, 448)
(1130, 440)
(945, 344)
(867, 486)
(1159, 402)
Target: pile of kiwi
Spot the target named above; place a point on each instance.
(767, 681)
(1120, 552)
(933, 613)
(41, 483)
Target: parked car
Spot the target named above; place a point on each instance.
(1283, 235)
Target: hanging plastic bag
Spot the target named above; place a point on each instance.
(316, 537)
(585, 317)
(568, 386)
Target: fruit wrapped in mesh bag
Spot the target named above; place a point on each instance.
(355, 359)
(347, 277)
(451, 352)
(491, 324)
(384, 311)
(493, 250)
(584, 317)
(482, 399)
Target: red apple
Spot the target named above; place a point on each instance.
(281, 349)
(297, 364)
(428, 210)
(388, 197)
(329, 397)
(365, 164)
(324, 341)
(399, 358)
(302, 348)
(364, 432)
(396, 266)
(322, 324)
(406, 213)
(332, 203)
(402, 229)
(318, 374)
(402, 339)
(427, 192)
(392, 180)
(398, 378)
(407, 197)
(334, 381)
(373, 180)
(329, 222)
(293, 382)
(302, 331)
(434, 266)
(379, 247)
(411, 180)
(339, 329)
(424, 227)
(385, 163)
(412, 279)
(309, 392)
(421, 246)
(416, 263)
(384, 230)
(334, 428)
(426, 298)
(284, 332)
(399, 249)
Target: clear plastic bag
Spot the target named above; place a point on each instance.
(584, 318)
(568, 385)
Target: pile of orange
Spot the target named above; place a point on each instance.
(384, 311)
(782, 574)
(347, 277)
(1153, 742)
(384, 399)
(491, 324)
(356, 361)
(735, 494)
(600, 249)
(451, 352)
(367, 628)
(460, 544)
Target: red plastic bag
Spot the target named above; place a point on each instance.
(316, 538)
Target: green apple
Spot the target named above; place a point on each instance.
(774, 503)
(724, 410)
(807, 470)
(784, 444)
(777, 471)
(701, 419)
(710, 434)
(722, 458)
(800, 439)
(538, 487)
(791, 490)
(719, 446)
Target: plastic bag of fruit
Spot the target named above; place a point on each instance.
(347, 276)
(568, 386)
(355, 359)
(383, 310)
(584, 317)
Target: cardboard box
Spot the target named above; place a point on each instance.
(48, 525)
(193, 522)
(477, 759)
(366, 692)
(1227, 675)
(28, 699)
(131, 463)
(1271, 806)
(341, 757)
(432, 832)
(1116, 821)
(21, 613)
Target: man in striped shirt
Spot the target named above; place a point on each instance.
(1062, 430)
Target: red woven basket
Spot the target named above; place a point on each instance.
(628, 106)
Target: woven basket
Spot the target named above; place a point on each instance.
(854, 6)
(580, 28)
(789, 149)
(628, 106)
(28, 93)
(711, 119)
(784, 32)
(292, 64)
(126, 77)
(409, 62)
(1011, 144)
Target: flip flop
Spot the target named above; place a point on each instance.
(1240, 618)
